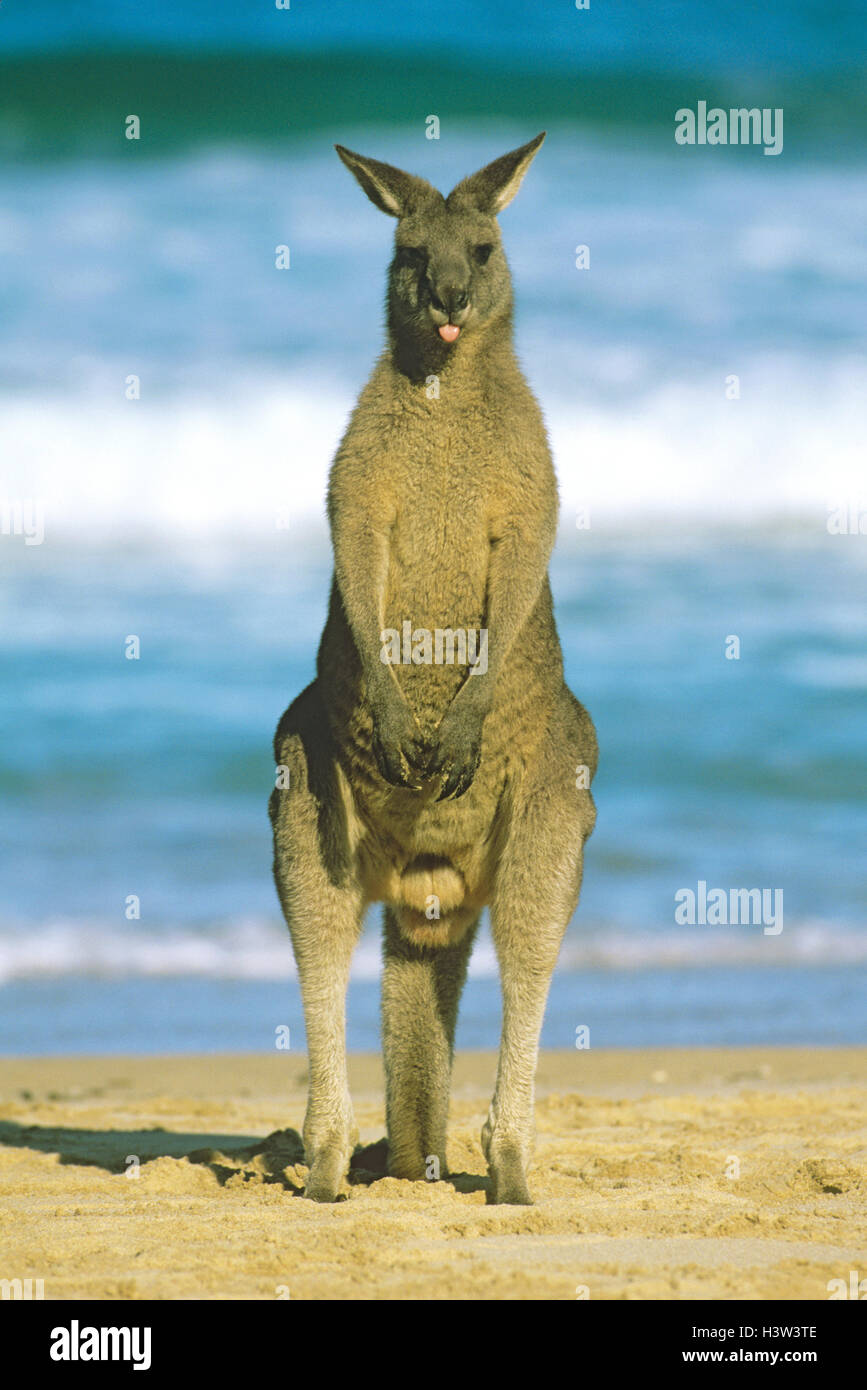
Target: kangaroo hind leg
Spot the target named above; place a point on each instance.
(537, 888)
(322, 901)
(421, 991)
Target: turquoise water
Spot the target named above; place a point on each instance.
(812, 1005)
(202, 72)
(192, 517)
(151, 777)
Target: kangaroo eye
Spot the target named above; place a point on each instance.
(482, 253)
(414, 256)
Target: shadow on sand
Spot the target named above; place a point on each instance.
(226, 1155)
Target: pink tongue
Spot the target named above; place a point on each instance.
(449, 331)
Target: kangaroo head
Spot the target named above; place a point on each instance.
(448, 277)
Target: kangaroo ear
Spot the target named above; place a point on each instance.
(390, 189)
(494, 187)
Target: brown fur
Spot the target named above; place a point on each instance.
(422, 786)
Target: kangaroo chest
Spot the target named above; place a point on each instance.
(439, 546)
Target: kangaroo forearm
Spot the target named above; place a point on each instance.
(517, 573)
(361, 585)
(360, 570)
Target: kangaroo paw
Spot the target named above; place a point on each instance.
(399, 750)
(457, 754)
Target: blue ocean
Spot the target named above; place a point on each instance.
(692, 322)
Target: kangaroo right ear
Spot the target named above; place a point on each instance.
(392, 190)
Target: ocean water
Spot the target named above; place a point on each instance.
(192, 517)
(150, 777)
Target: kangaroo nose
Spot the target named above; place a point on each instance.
(457, 299)
(450, 298)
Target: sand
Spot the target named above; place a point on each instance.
(716, 1174)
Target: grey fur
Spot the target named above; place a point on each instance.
(419, 785)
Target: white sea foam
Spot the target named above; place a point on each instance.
(259, 464)
(248, 375)
(261, 950)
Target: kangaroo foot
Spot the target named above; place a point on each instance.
(327, 1172)
(508, 1179)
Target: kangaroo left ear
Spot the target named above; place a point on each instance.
(491, 189)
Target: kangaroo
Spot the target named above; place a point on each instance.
(433, 774)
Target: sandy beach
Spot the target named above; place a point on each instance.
(717, 1174)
